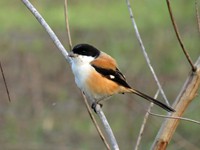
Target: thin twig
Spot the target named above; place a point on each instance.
(197, 15)
(4, 80)
(173, 117)
(144, 123)
(107, 127)
(178, 37)
(144, 51)
(67, 25)
(95, 122)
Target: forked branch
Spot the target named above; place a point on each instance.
(179, 37)
(144, 51)
(185, 97)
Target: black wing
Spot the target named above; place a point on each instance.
(114, 75)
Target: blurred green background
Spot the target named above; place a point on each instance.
(47, 111)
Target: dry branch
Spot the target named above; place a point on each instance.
(4, 80)
(180, 118)
(67, 25)
(185, 97)
(197, 15)
(144, 52)
(95, 122)
(107, 128)
(178, 36)
(47, 28)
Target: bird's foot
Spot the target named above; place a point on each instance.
(95, 106)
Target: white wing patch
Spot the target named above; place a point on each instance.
(112, 77)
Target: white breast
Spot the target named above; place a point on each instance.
(81, 69)
(81, 73)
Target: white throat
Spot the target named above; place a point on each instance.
(81, 69)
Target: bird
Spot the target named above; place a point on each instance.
(98, 76)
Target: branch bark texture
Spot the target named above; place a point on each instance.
(185, 97)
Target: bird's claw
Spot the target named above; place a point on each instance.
(94, 106)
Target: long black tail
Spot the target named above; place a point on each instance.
(167, 108)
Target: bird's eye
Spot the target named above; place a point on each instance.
(84, 52)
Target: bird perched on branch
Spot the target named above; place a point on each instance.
(97, 75)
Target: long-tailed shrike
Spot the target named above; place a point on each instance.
(97, 75)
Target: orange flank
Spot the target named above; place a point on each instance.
(102, 86)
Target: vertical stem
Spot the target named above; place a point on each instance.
(67, 25)
(144, 52)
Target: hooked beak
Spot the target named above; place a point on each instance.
(72, 55)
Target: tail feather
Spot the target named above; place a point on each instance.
(164, 106)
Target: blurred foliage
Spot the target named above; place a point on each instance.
(47, 111)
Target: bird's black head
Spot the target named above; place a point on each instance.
(86, 50)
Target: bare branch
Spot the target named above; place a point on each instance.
(107, 127)
(95, 122)
(4, 80)
(67, 25)
(144, 123)
(170, 117)
(48, 29)
(178, 36)
(185, 97)
(144, 52)
(197, 15)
